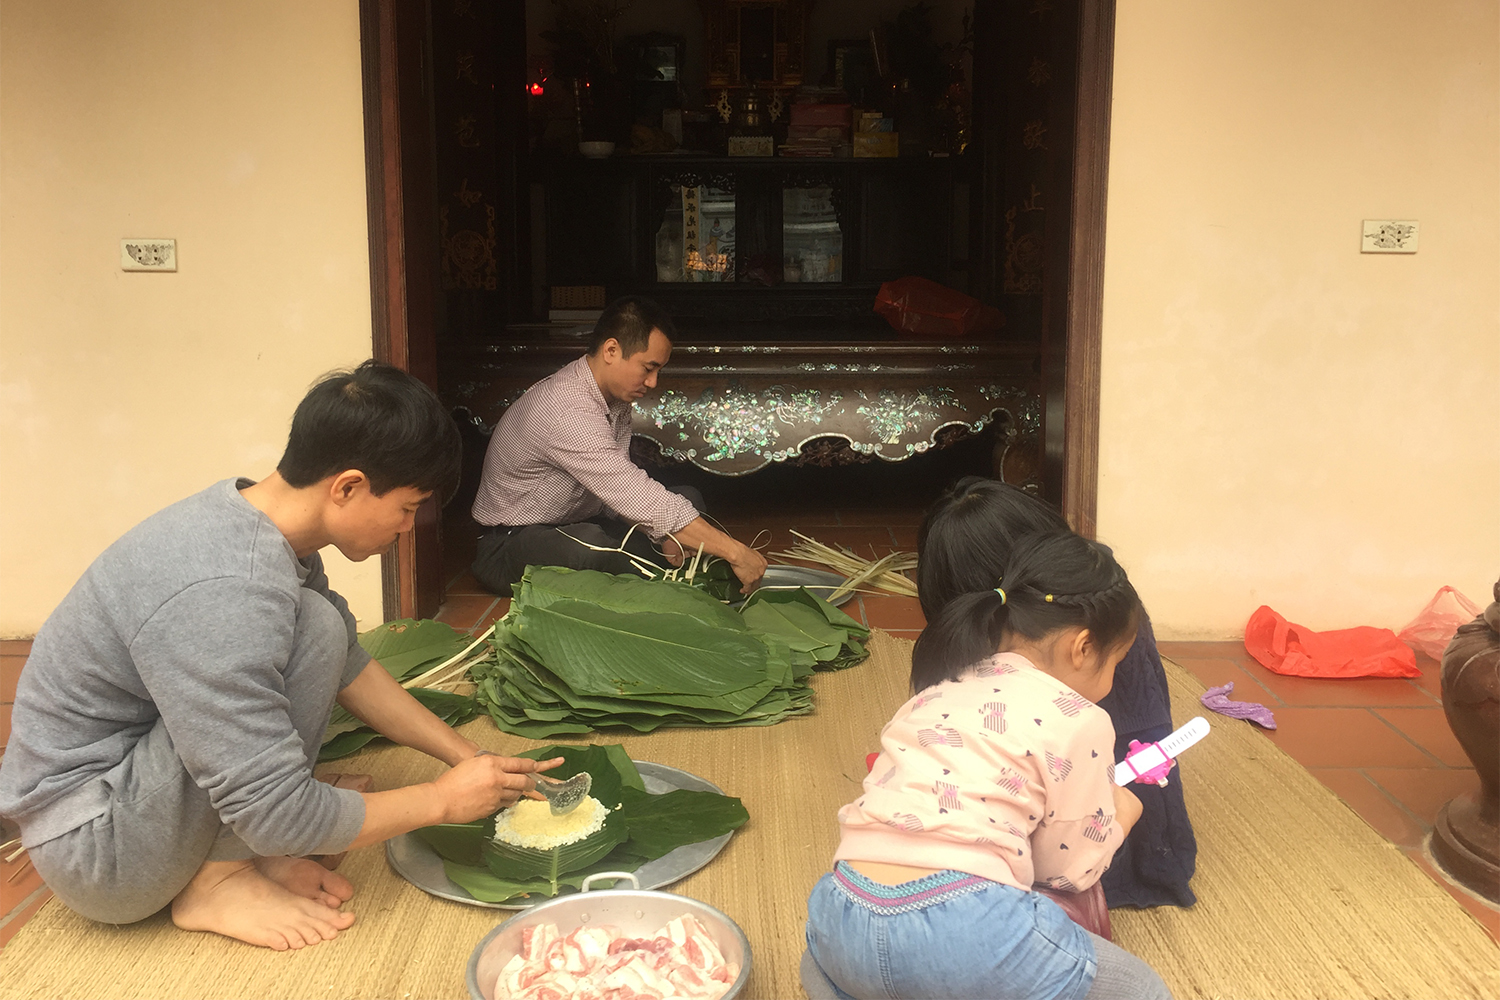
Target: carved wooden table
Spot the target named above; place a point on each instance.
(733, 409)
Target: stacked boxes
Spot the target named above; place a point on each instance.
(876, 136)
(816, 129)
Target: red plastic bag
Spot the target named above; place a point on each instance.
(1287, 648)
(929, 309)
(1432, 630)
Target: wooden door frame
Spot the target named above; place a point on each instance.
(393, 38)
(403, 253)
(1085, 302)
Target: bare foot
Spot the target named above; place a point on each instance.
(307, 879)
(234, 899)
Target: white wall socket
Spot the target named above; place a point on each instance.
(1389, 236)
(148, 254)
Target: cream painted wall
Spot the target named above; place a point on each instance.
(1286, 421)
(235, 128)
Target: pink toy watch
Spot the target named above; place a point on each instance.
(1151, 762)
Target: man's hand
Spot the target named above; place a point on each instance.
(485, 784)
(749, 565)
(673, 551)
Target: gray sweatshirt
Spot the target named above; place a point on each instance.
(189, 618)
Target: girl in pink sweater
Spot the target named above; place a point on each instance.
(994, 778)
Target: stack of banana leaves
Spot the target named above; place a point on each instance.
(581, 650)
(410, 651)
(641, 827)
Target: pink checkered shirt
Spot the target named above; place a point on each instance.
(560, 455)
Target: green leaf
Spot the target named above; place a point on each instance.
(543, 586)
(405, 647)
(345, 744)
(460, 842)
(511, 862)
(659, 824)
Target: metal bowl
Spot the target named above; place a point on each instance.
(817, 581)
(637, 912)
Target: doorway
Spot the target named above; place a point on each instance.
(413, 60)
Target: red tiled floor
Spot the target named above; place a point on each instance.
(463, 612)
(1343, 737)
(465, 584)
(1431, 680)
(10, 675)
(1390, 819)
(1216, 673)
(1424, 790)
(18, 880)
(494, 614)
(1428, 729)
(1359, 691)
(11, 922)
(883, 517)
(15, 647)
(892, 612)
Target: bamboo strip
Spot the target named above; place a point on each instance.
(885, 573)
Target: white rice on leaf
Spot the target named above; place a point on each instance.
(530, 823)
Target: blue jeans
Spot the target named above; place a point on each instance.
(990, 941)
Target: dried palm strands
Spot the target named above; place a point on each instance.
(885, 573)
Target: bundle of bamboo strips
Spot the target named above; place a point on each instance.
(885, 573)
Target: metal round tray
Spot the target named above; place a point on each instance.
(420, 865)
(817, 581)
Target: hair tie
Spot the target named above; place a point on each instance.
(1001, 592)
(1048, 598)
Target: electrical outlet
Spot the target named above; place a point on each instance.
(1389, 236)
(148, 254)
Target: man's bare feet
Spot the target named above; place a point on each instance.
(234, 899)
(307, 879)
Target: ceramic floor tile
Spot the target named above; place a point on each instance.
(1487, 914)
(1424, 790)
(494, 614)
(15, 647)
(1343, 737)
(1428, 729)
(1216, 673)
(10, 676)
(1355, 692)
(1223, 650)
(12, 922)
(1391, 820)
(899, 613)
(1431, 680)
(18, 880)
(883, 517)
(905, 537)
(465, 584)
(463, 612)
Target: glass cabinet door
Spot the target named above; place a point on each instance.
(812, 243)
(696, 238)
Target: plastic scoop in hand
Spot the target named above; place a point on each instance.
(564, 796)
(1150, 762)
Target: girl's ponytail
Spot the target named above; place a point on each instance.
(1052, 580)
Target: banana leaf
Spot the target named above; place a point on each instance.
(542, 586)
(405, 647)
(643, 828)
(346, 734)
(644, 653)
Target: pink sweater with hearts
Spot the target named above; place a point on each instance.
(1005, 773)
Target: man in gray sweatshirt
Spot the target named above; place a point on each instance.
(167, 722)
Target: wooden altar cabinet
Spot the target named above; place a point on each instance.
(735, 408)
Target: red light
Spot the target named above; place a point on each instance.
(535, 89)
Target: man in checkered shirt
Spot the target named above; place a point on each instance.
(558, 484)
